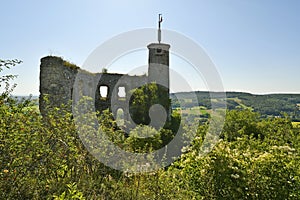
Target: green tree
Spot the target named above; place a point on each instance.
(143, 98)
(5, 80)
(239, 123)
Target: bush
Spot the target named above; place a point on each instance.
(44, 158)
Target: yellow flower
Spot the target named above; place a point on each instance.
(5, 171)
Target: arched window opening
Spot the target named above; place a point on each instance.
(120, 117)
(103, 90)
(121, 92)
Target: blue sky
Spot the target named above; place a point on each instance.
(255, 44)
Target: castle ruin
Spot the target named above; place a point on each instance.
(58, 78)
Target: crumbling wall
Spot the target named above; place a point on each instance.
(62, 82)
(57, 78)
(114, 82)
(56, 82)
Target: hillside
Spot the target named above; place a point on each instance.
(269, 105)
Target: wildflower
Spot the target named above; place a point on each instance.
(236, 176)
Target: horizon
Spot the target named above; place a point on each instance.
(254, 45)
(262, 94)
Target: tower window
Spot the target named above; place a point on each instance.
(158, 51)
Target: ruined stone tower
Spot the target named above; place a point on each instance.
(56, 82)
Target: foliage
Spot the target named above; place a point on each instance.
(143, 98)
(104, 70)
(5, 80)
(43, 158)
(246, 167)
(238, 124)
(70, 65)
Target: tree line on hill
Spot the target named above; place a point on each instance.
(269, 105)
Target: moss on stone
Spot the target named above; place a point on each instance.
(70, 65)
(61, 60)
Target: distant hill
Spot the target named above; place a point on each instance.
(34, 99)
(26, 97)
(269, 105)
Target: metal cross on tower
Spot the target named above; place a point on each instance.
(160, 19)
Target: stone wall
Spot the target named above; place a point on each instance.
(57, 79)
(56, 82)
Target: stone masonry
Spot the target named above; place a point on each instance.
(57, 78)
